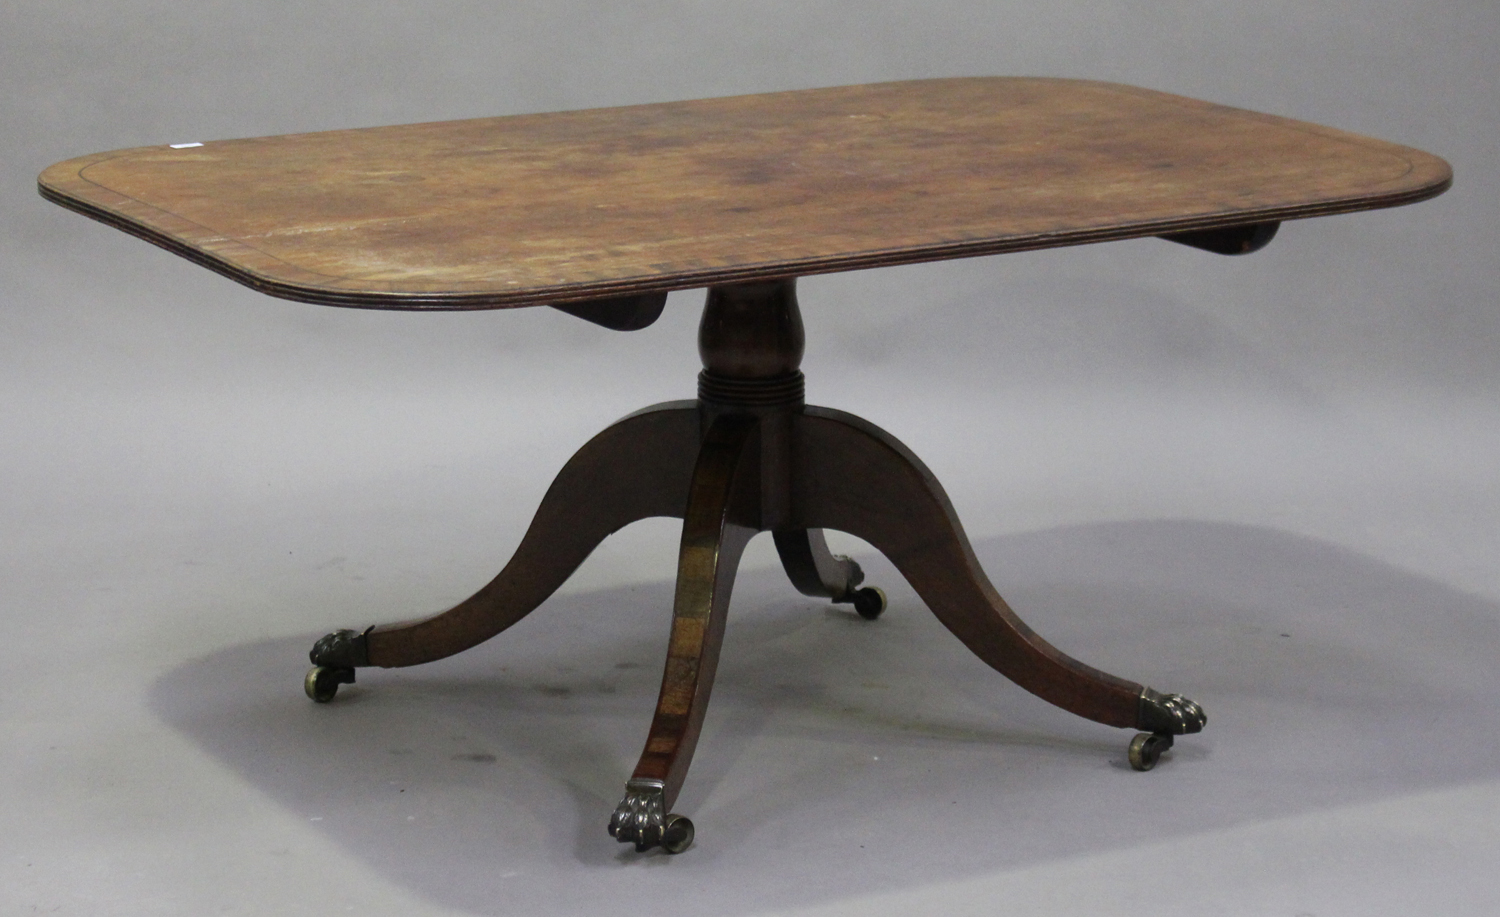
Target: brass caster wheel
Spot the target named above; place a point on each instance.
(1146, 749)
(677, 834)
(322, 682)
(869, 602)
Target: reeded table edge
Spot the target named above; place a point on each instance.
(452, 299)
(687, 280)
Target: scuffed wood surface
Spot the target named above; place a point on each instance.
(532, 209)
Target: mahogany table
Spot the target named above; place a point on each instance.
(600, 213)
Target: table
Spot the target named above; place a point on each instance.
(600, 213)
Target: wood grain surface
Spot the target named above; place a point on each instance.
(534, 209)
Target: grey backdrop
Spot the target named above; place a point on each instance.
(1267, 482)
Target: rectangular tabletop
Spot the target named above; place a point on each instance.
(534, 209)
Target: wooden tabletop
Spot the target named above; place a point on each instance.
(564, 207)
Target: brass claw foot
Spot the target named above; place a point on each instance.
(815, 570)
(869, 602)
(345, 649)
(1166, 715)
(1170, 714)
(640, 819)
(334, 658)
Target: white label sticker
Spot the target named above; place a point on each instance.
(183, 146)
